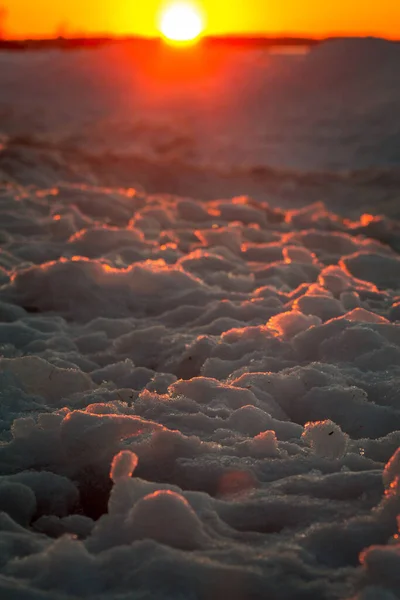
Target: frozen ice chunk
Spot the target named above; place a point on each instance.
(99, 241)
(22, 427)
(263, 253)
(9, 312)
(298, 254)
(337, 279)
(81, 289)
(289, 324)
(193, 358)
(326, 439)
(240, 209)
(264, 444)
(361, 315)
(320, 306)
(77, 525)
(190, 210)
(392, 469)
(335, 244)
(204, 390)
(55, 494)
(41, 378)
(382, 567)
(88, 438)
(383, 271)
(394, 313)
(350, 300)
(250, 420)
(313, 215)
(123, 465)
(228, 237)
(4, 278)
(167, 518)
(64, 566)
(18, 501)
(339, 340)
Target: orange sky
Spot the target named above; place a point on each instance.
(311, 17)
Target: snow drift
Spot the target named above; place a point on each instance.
(199, 398)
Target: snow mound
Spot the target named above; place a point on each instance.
(197, 398)
(391, 472)
(167, 518)
(326, 439)
(123, 465)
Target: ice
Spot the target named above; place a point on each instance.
(392, 469)
(38, 377)
(289, 324)
(123, 465)
(325, 438)
(18, 501)
(383, 271)
(264, 444)
(199, 358)
(167, 518)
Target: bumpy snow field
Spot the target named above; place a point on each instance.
(198, 400)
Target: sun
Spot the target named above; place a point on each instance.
(181, 23)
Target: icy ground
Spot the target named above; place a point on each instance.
(199, 398)
(241, 361)
(332, 109)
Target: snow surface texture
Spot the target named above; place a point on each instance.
(198, 399)
(220, 123)
(329, 109)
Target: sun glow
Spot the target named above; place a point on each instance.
(181, 23)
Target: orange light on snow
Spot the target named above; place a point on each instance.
(181, 23)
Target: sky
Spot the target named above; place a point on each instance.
(43, 18)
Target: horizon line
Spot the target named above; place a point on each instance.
(234, 36)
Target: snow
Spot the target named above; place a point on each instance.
(392, 469)
(325, 438)
(199, 394)
(123, 465)
(167, 518)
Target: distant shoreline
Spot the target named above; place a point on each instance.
(100, 41)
